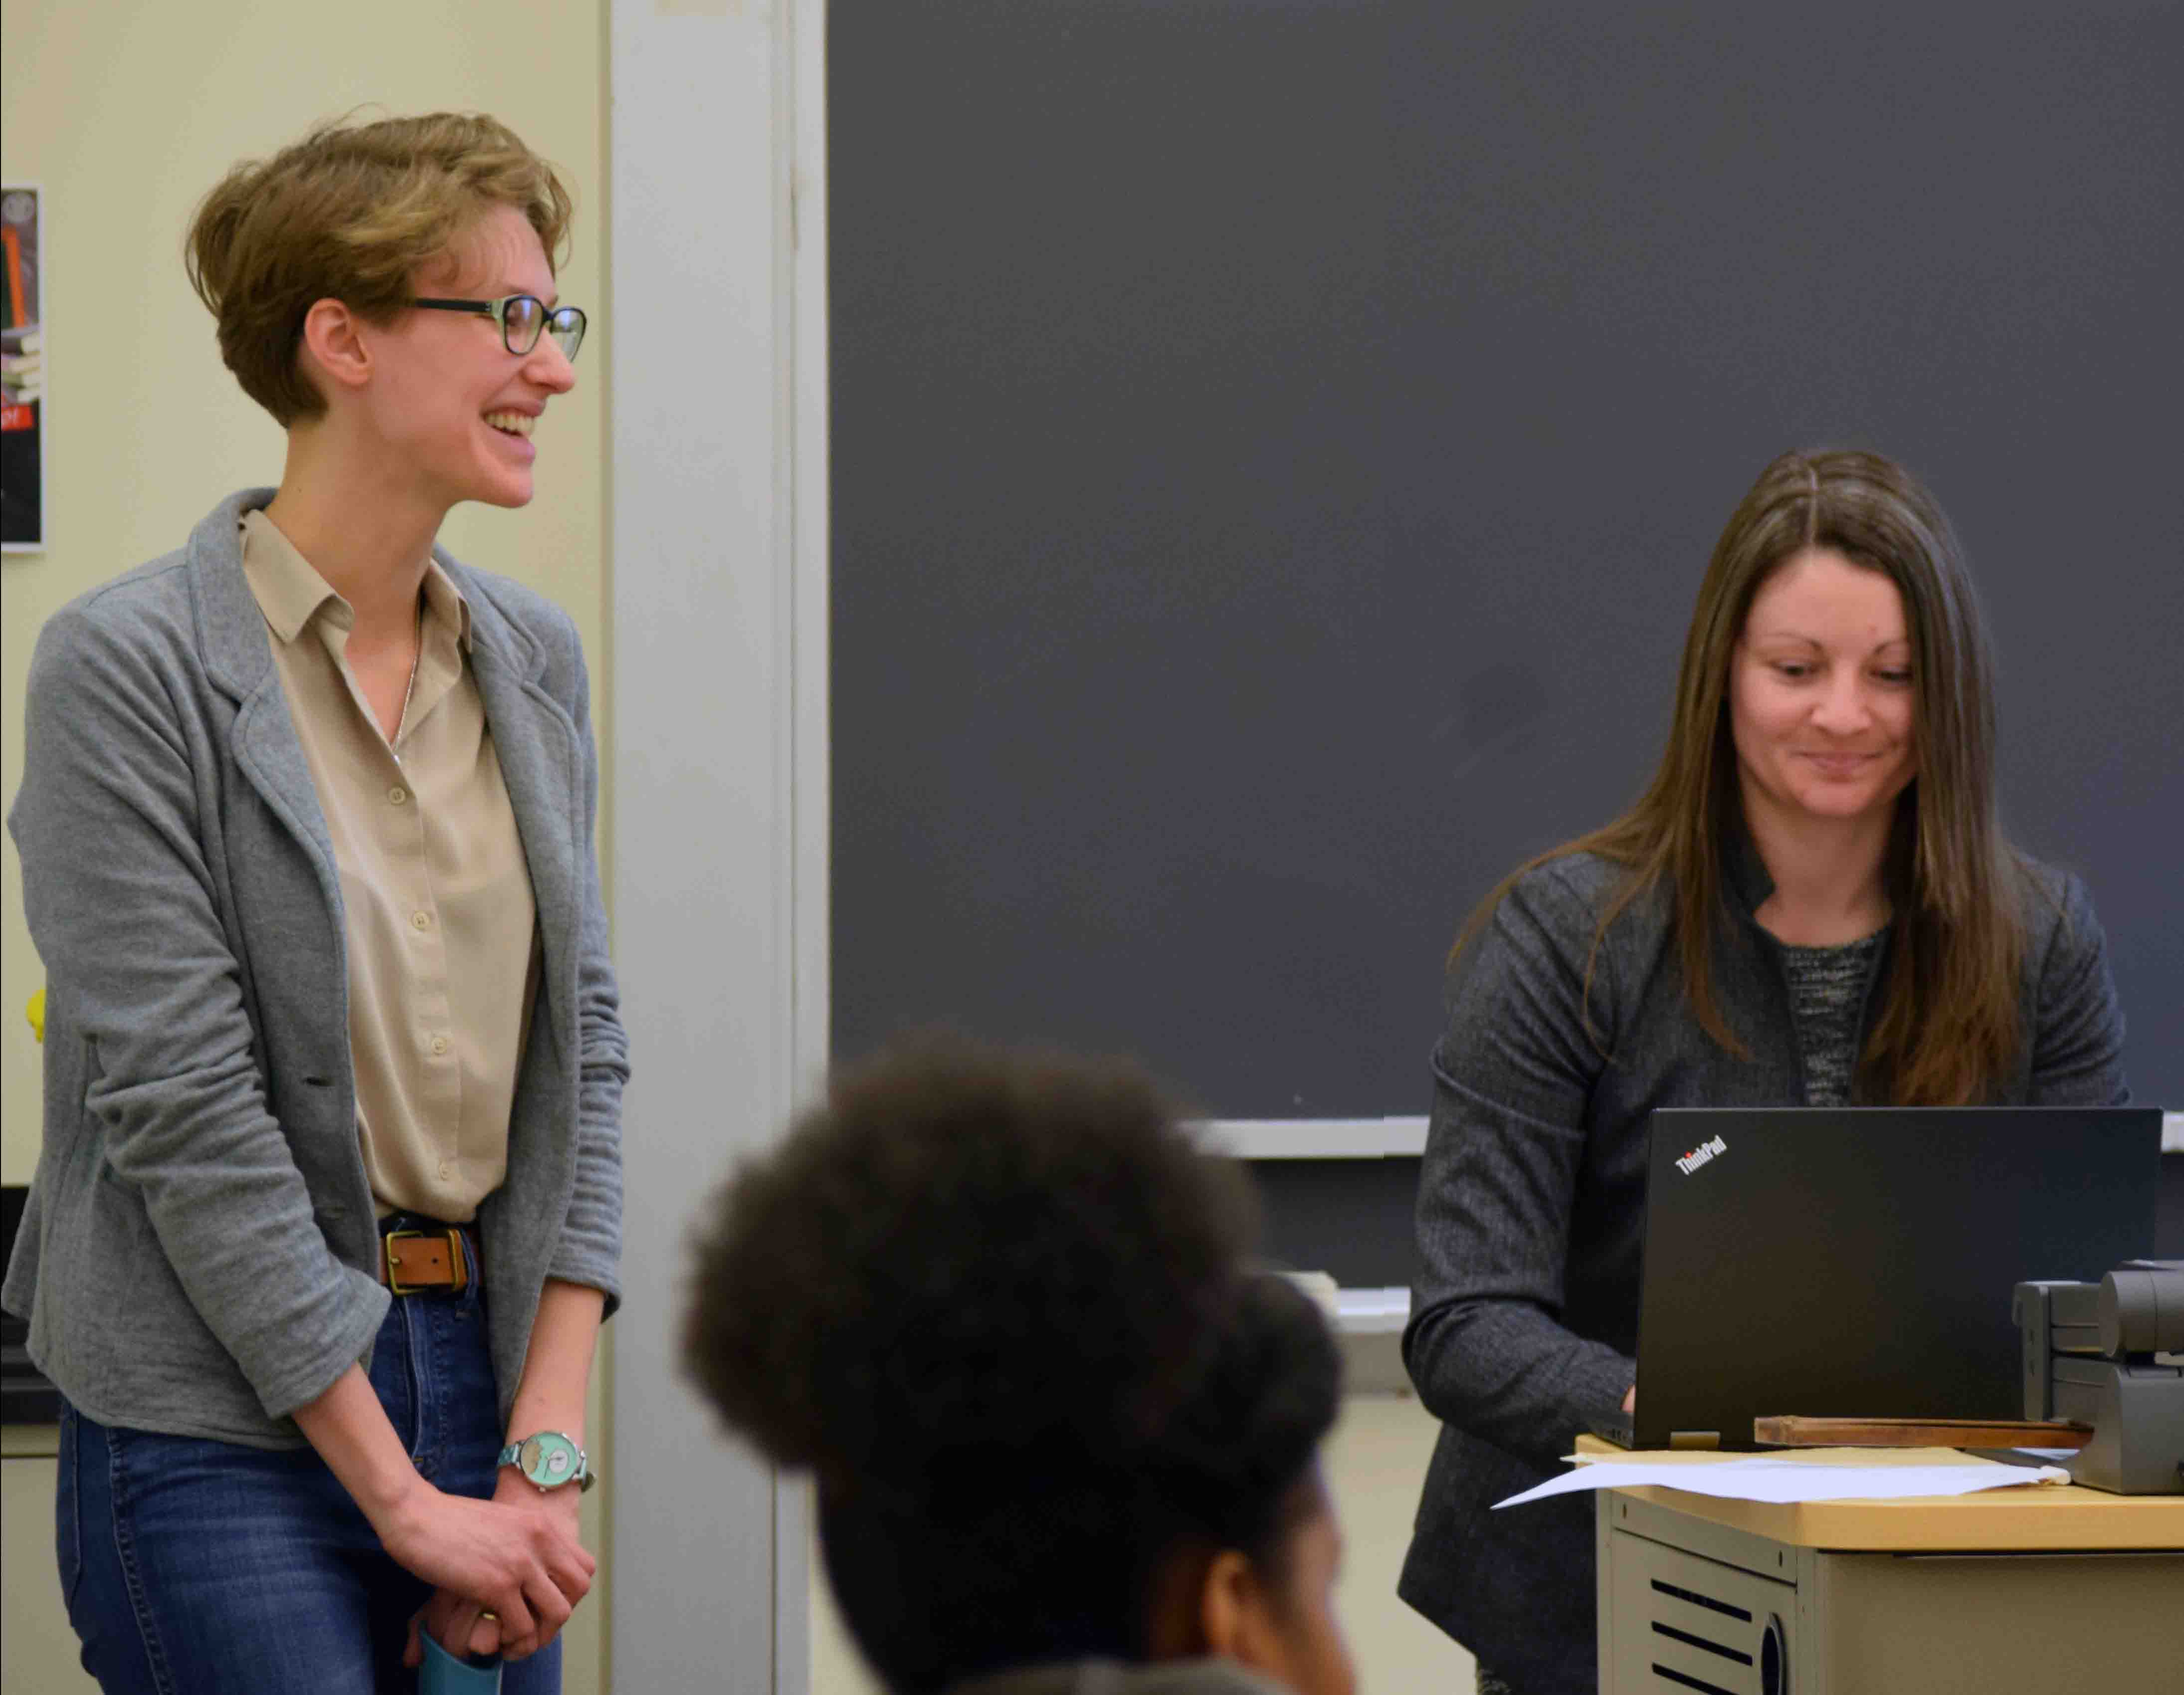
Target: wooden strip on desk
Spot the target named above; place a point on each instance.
(1792, 1430)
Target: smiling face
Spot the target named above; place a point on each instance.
(447, 400)
(1821, 694)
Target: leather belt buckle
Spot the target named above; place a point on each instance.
(437, 1261)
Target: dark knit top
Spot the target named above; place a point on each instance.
(1827, 992)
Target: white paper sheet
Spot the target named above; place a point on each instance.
(1770, 1477)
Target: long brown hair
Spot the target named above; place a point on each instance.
(1948, 1028)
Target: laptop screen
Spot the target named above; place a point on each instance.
(1859, 1262)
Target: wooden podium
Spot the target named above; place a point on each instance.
(2050, 1590)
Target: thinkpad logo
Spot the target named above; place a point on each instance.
(1701, 1154)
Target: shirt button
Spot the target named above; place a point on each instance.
(440, 1045)
(421, 921)
(447, 1168)
(397, 795)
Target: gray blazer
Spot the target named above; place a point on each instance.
(197, 1254)
(1524, 1307)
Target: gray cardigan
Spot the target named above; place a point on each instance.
(198, 1253)
(1524, 1309)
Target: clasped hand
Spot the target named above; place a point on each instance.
(516, 1556)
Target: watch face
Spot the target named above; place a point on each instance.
(548, 1458)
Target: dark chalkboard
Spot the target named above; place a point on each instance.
(1275, 446)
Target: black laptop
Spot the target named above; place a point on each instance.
(1858, 1262)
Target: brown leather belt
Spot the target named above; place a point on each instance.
(435, 1257)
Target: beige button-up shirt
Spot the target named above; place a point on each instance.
(436, 898)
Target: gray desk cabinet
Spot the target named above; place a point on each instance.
(1688, 1603)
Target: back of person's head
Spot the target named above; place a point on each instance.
(999, 1307)
(351, 212)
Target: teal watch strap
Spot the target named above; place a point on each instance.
(549, 1460)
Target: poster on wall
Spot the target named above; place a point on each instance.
(22, 370)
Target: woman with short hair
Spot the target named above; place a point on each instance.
(327, 1212)
(1812, 904)
(1064, 1440)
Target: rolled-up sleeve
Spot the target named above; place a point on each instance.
(1513, 1074)
(125, 906)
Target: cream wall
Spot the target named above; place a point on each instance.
(126, 113)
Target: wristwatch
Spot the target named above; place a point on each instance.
(550, 1460)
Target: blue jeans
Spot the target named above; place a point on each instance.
(192, 1565)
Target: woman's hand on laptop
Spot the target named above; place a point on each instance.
(1630, 1399)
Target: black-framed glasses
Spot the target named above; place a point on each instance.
(523, 318)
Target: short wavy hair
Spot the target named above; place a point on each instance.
(349, 212)
(1001, 1306)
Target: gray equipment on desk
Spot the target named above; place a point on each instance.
(2105, 1354)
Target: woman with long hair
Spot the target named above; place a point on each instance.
(1065, 1439)
(327, 1212)
(1813, 903)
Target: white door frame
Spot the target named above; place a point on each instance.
(716, 769)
